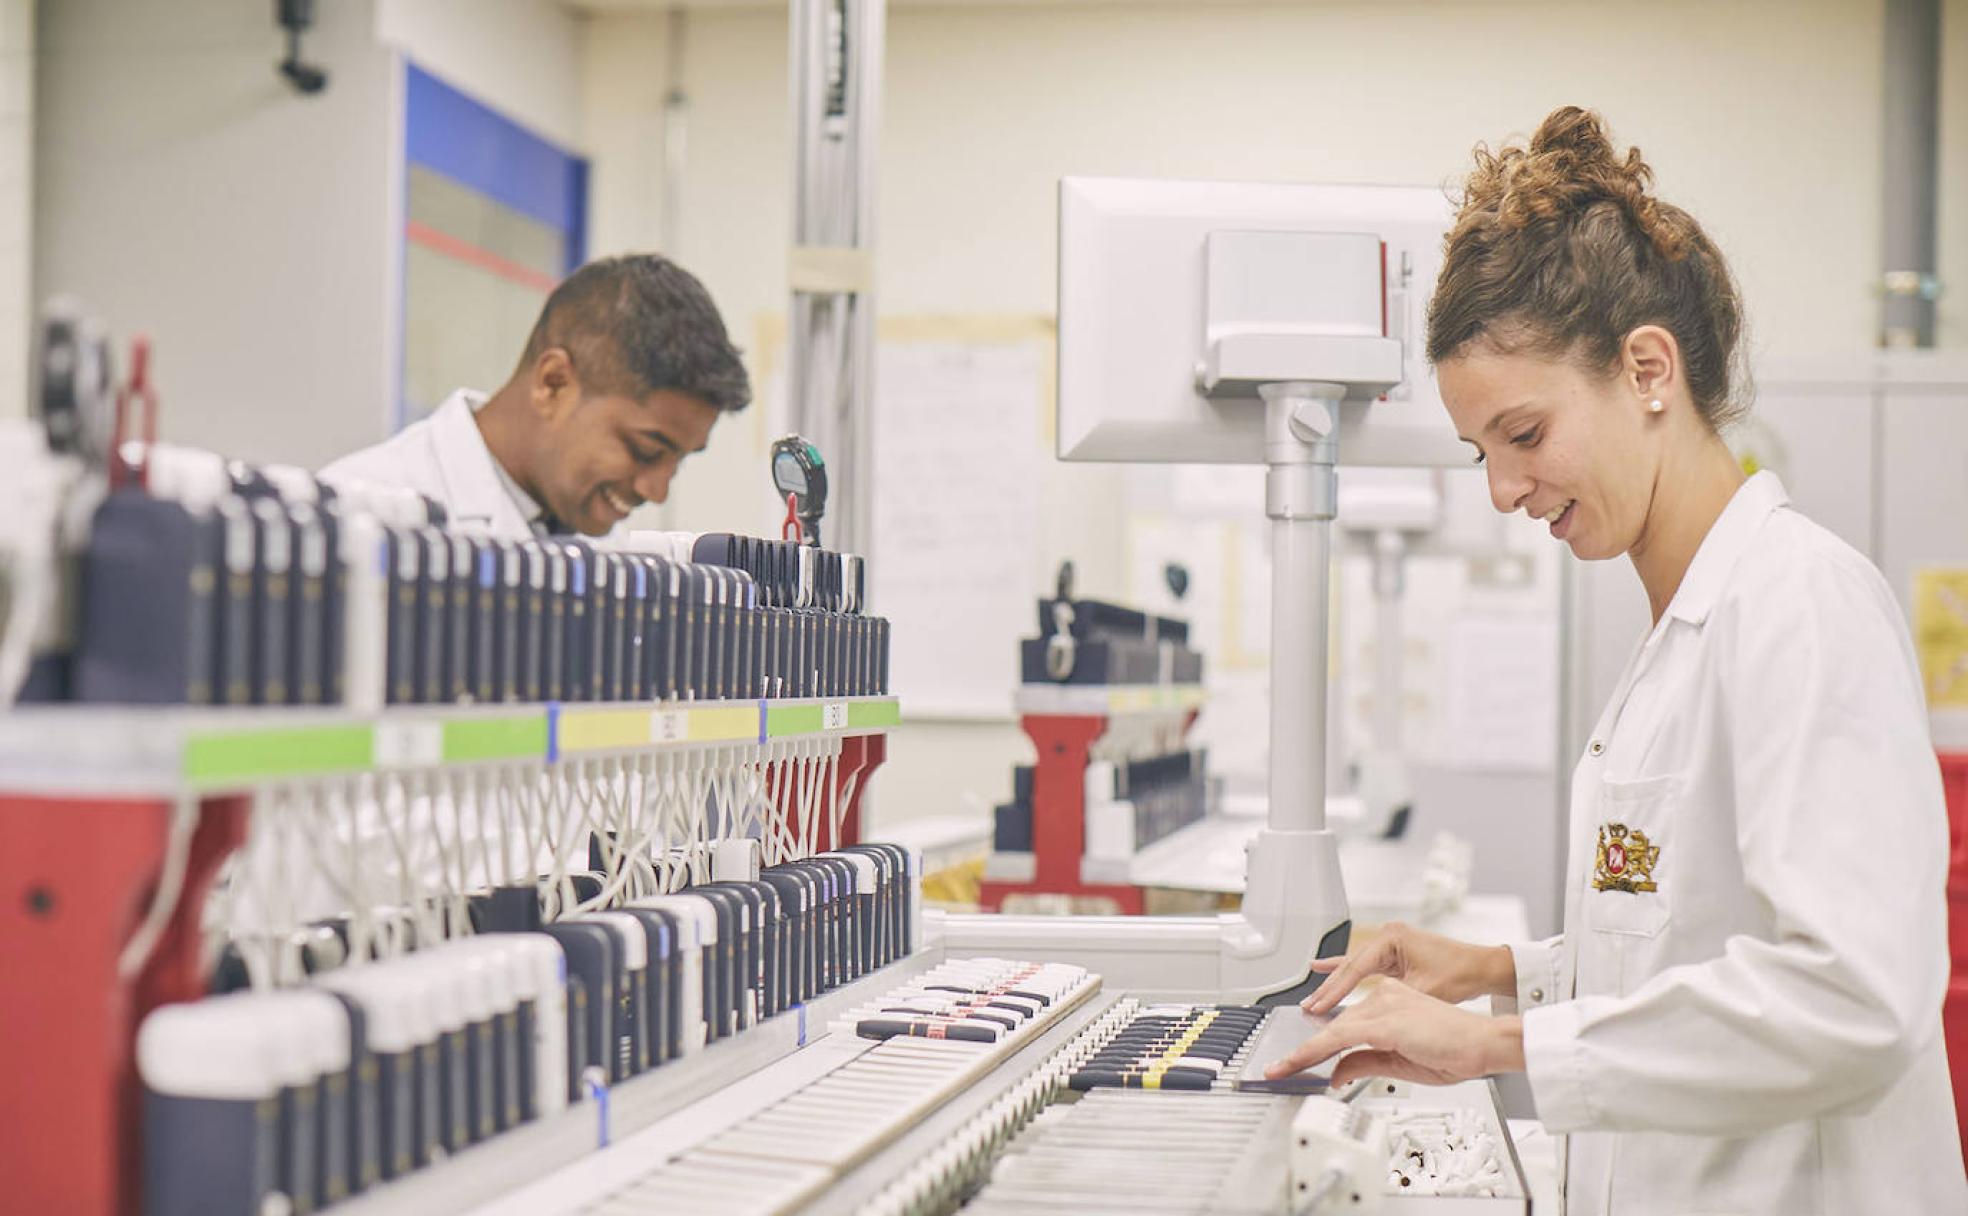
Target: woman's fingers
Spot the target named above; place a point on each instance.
(1329, 964)
(1371, 1063)
(1346, 975)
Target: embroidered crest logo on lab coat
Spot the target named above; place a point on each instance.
(1626, 860)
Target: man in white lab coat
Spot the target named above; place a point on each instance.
(1743, 1012)
(626, 372)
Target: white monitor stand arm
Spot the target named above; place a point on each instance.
(1294, 907)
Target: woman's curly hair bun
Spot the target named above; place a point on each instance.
(1569, 165)
(1561, 245)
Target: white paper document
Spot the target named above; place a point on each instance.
(956, 517)
(1502, 693)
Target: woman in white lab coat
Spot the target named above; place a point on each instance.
(1743, 1012)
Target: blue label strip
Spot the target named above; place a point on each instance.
(599, 1092)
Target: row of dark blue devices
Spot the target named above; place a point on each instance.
(249, 1094)
(259, 597)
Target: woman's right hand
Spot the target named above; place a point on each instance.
(1427, 962)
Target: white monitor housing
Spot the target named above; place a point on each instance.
(1204, 322)
(1177, 298)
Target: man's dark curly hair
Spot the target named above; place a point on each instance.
(640, 324)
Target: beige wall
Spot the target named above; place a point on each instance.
(186, 191)
(1761, 118)
(1952, 328)
(624, 79)
(519, 56)
(171, 199)
(16, 201)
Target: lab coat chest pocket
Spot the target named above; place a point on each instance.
(1630, 886)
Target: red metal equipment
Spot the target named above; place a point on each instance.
(1065, 744)
(1954, 1010)
(860, 756)
(77, 876)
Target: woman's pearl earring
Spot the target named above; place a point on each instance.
(1655, 406)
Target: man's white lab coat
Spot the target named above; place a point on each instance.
(1743, 1013)
(444, 457)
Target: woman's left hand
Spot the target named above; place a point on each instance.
(1406, 1036)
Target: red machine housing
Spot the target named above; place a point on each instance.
(1064, 743)
(78, 876)
(1954, 1010)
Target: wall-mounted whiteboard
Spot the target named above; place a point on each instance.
(962, 430)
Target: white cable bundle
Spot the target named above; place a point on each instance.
(399, 850)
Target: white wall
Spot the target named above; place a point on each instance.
(519, 56)
(16, 201)
(624, 80)
(1952, 326)
(1761, 118)
(986, 106)
(186, 191)
(986, 109)
(171, 198)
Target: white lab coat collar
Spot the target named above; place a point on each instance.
(480, 489)
(1728, 538)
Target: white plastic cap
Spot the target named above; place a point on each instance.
(696, 918)
(192, 476)
(438, 980)
(471, 979)
(675, 546)
(405, 507)
(736, 860)
(214, 1048)
(409, 986)
(393, 1018)
(310, 1030)
(635, 942)
(503, 968)
(544, 964)
(396, 506)
(867, 876)
(295, 484)
(331, 1034)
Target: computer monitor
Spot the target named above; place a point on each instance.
(1164, 285)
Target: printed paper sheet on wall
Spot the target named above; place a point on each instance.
(960, 414)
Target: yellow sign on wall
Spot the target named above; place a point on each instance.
(1940, 634)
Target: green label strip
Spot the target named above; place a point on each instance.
(298, 751)
(519, 737)
(792, 720)
(871, 715)
(273, 753)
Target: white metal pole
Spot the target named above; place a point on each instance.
(1389, 560)
(836, 49)
(1301, 495)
